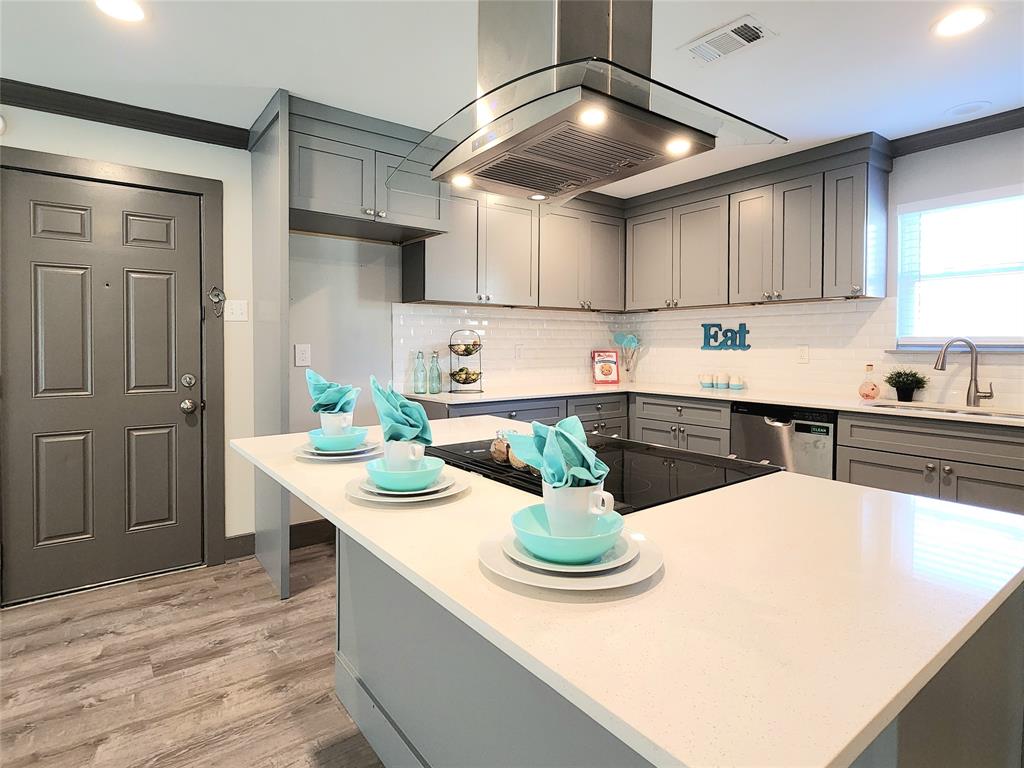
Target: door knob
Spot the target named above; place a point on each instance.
(947, 469)
(776, 295)
(511, 414)
(668, 302)
(487, 297)
(675, 302)
(929, 467)
(855, 290)
(766, 295)
(382, 214)
(187, 406)
(369, 211)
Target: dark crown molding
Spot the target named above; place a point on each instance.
(953, 134)
(38, 97)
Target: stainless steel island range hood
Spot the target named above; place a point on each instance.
(567, 105)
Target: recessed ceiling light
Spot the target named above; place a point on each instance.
(678, 147)
(123, 10)
(592, 116)
(538, 197)
(462, 181)
(960, 21)
(968, 108)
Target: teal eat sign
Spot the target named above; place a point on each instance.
(716, 337)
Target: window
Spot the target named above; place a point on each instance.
(961, 271)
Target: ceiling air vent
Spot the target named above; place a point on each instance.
(734, 36)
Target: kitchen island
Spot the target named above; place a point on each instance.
(797, 621)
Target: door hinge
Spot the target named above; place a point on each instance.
(202, 405)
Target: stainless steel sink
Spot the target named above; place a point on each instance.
(948, 409)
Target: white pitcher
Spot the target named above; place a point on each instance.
(403, 455)
(335, 423)
(571, 510)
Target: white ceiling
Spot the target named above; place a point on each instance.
(835, 69)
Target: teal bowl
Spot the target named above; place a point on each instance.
(353, 438)
(405, 480)
(531, 527)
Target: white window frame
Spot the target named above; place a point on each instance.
(1007, 343)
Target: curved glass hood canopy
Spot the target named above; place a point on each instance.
(565, 129)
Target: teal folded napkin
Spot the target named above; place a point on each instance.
(560, 453)
(328, 396)
(400, 419)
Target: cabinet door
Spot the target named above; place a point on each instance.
(511, 264)
(700, 246)
(412, 199)
(796, 231)
(561, 258)
(656, 432)
(649, 477)
(750, 245)
(604, 243)
(992, 487)
(608, 427)
(331, 177)
(846, 192)
(888, 471)
(704, 440)
(450, 267)
(649, 261)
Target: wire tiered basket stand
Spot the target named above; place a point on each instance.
(465, 361)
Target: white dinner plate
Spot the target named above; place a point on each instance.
(647, 563)
(625, 551)
(312, 450)
(442, 483)
(354, 491)
(331, 457)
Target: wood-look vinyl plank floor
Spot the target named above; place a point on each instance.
(198, 668)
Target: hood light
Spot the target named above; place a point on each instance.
(592, 116)
(122, 10)
(462, 181)
(678, 147)
(538, 197)
(960, 21)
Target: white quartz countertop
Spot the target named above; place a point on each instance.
(794, 617)
(789, 398)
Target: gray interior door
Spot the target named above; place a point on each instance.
(101, 467)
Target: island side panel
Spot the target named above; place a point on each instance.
(428, 690)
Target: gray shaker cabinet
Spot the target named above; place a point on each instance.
(855, 210)
(700, 249)
(562, 258)
(604, 242)
(796, 238)
(649, 261)
(413, 199)
(511, 265)
(888, 471)
(444, 268)
(992, 487)
(699, 439)
(750, 245)
(331, 177)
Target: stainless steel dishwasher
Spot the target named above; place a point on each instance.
(797, 439)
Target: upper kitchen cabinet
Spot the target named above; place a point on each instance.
(445, 268)
(796, 238)
(649, 261)
(700, 248)
(856, 202)
(339, 171)
(582, 260)
(750, 245)
(510, 263)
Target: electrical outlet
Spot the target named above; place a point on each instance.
(236, 311)
(303, 356)
(803, 353)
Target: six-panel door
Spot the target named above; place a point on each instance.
(101, 465)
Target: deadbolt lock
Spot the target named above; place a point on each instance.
(188, 381)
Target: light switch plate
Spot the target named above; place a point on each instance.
(303, 356)
(803, 353)
(236, 311)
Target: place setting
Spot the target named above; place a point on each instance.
(404, 474)
(336, 440)
(574, 540)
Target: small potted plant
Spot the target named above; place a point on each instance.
(905, 381)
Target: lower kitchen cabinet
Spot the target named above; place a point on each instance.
(689, 437)
(608, 427)
(983, 486)
(548, 411)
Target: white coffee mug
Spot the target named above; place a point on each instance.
(571, 510)
(335, 423)
(403, 455)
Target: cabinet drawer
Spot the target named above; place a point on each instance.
(711, 440)
(994, 446)
(599, 406)
(682, 410)
(888, 471)
(609, 427)
(546, 411)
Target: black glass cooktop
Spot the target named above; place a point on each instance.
(640, 475)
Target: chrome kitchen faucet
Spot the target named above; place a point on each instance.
(974, 396)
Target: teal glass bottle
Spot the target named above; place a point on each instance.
(419, 376)
(435, 374)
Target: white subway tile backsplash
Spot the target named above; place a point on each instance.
(529, 347)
